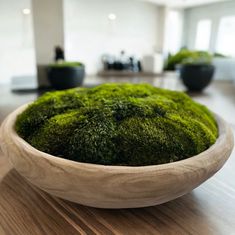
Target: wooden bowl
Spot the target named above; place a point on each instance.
(113, 186)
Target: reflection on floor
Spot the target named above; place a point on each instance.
(219, 97)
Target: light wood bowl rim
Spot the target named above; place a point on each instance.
(9, 123)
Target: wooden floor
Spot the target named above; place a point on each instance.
(207, 210)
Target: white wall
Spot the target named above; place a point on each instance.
(214, 12)
(16, 40)
(89, 33)
(173, 30)
(48, 28)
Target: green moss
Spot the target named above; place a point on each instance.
(66, 64)
(185, 56)
(118, 124)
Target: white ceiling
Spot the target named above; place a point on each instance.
(185, 3)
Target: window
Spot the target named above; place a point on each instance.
(173, 31)
(203, 35)
(226, 36)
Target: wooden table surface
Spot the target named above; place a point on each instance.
(207, 210)
(26, 210)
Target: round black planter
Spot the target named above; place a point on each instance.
(62, 78)
(196, 76)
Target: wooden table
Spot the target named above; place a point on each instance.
(208, 210)
(26, 210)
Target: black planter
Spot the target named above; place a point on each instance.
(62, 78)
(196, 76)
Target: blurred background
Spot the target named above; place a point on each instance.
(186, 45)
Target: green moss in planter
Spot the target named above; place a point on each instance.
(66, 64)
(118, 124)
(187, 56)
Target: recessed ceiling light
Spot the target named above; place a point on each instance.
(26, 11)
(112, 16)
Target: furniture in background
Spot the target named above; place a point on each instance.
(122, 62)
(24, 83)
(129, 66)
(224, 68)
(153, 63)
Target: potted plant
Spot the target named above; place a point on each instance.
(173, 60)
(116, 145)
(197, 72)
(184, 54)
(65, 75)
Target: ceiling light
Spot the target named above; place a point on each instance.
(112, 16)
(26, 11)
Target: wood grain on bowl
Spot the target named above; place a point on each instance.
(113, 186)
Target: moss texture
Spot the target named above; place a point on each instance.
(118, 124)
(66, 64)
(185, 56)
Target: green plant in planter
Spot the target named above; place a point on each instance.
(118, 124)
(66, 75)
(197, 71)
(200, 58)
(187, 56)
(66, 64)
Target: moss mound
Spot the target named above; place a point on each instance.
(118, 124)
(66, 64)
